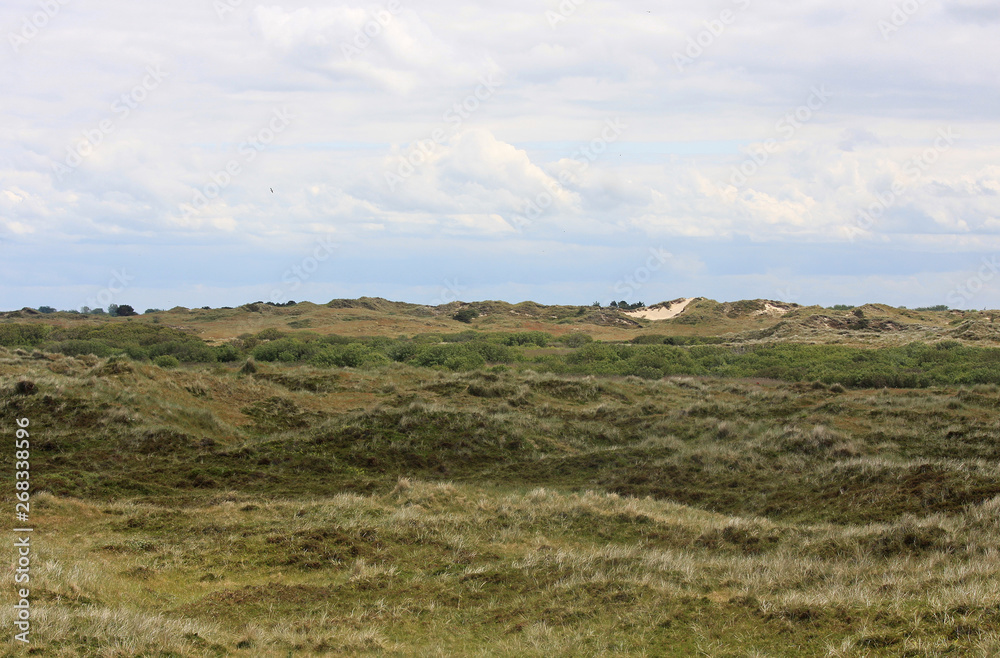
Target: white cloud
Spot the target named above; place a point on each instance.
(227, 75)
(384, 44)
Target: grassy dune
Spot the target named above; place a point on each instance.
(213, 509)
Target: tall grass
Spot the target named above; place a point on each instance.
(405, 510)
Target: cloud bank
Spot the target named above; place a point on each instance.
(820, 153)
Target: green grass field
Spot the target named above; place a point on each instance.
(440, 494)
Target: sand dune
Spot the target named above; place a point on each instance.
(663, 311)
(772, 310)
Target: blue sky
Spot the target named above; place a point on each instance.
(822, 152)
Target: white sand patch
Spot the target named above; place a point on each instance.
(663, 311)
(772, 310)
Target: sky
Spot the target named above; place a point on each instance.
(219, 152)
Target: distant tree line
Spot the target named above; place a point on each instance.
(114, 310)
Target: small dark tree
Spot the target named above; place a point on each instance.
(125, 311)
(614, 304)
(113, 310)
(466, 315)
(46, 309)
(623, 304)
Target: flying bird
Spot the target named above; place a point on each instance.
(272, 190)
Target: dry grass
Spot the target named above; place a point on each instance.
(443, 568)
(400, 511)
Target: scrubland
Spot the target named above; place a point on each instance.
(537, 495)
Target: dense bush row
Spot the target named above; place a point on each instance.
(649, 356)
(138, 340)
(336, 351)
(23, 335)
(912, 366)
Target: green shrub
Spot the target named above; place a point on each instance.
(166, 361)
(19, 334)
(188, 351)
(226, 353)
(576, 339)
(433, 355)
(492, 352)
(520, 338)
(469, 361)
(362, 356)
(123, 334)
(466, 315)
(271, 333)
(334, 339)
(378, 343)
(650, 339)
(402, 351)
(461, 336)
(136, 353)
(297, 349)
(354, 355)
(79, 347)
(595, 352)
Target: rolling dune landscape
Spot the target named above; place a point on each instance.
(375, 478)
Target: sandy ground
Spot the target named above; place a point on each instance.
(661, 311)
(772, 310)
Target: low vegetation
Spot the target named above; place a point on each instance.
(519, 493)
(650, 356)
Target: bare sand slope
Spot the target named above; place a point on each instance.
(663, 311)
(772, 310)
